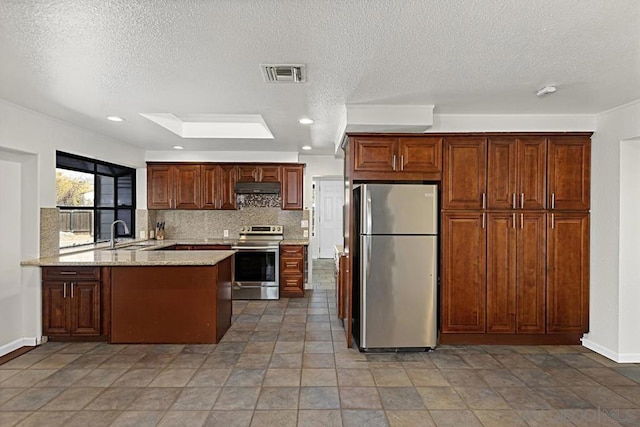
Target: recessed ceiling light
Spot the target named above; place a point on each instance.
(305, 121)
(546, 90)
(178, 147)
(306, 147)
(115, 119)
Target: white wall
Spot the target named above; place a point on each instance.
(319, 166)
(27, 131)
(316, 167)
(31, 139)
(614, 315)
(10, 278)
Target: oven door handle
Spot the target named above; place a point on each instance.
(254, 248)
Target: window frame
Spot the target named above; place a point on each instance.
(97, 208)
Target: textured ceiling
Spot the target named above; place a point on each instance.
(81, 60)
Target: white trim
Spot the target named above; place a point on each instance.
(619, 107)
(629, 358)
(610, 354)
(14, 345)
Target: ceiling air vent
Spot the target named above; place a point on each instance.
(284, 73)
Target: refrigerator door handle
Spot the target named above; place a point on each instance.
(365, 272)
(368, 219)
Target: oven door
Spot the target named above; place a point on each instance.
(256, 273)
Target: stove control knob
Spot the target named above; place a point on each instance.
(242, 229)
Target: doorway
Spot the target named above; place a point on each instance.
(329, 200)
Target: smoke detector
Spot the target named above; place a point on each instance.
(547, 90)
(287, 73)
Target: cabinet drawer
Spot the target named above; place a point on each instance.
(292, 285)
(291, 265)
(293, 251)
(70, 273)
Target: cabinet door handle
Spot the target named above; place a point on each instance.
(394, 162)
(513, 200)
(64, 290)
(483, 219)
(553, 222)
(401, 162)
(521, 220)
(553, 200)
(72, 289)
(484, 200)
(513, 221)
(521, 200)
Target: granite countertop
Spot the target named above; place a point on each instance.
(339, 249)
(124, 257)
(304, 242)
(145, 252)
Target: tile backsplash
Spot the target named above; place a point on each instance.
(200, 224)
(258, 201)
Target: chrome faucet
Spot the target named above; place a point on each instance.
(112, 243)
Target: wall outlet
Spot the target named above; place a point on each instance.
(143, 234)
(225, 233)
(305, 233)
(304, 223)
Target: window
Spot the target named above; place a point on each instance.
(91, 194)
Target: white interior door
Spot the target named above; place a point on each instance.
(329, 209)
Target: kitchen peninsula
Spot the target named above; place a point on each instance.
(137, 296)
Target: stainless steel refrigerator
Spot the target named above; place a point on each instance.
(395, 263)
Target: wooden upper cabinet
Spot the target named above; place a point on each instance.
(159, 187)
(270, 173)
(502, 176)
(532, 173)
(516, 173)
(463, 272)
(569, 164)
(292, 182)
(187, 187)
(420, 154)
(402, 158)
(465, 173)
(375, 154)
(568, 272)
(173, 187)
(218, 182)
(258, 173)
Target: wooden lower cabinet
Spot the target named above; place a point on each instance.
(516, 272)
(463, 279)
(292, 259)
(568, 273)
(536, 286)
(71, 308)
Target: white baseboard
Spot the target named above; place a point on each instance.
(14, 345)
(610, 354)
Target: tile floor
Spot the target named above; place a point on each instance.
(285, 363)
(324, 274)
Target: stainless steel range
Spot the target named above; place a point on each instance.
(257, 262)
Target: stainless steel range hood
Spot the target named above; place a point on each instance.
(257, 188)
